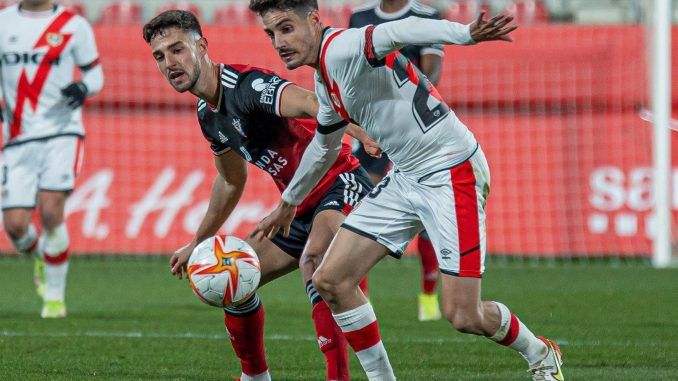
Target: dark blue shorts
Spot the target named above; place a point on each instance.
(345, 193)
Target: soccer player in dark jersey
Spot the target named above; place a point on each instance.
(428, 59)
(248, 115)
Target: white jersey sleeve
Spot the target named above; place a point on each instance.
(84, 47)
(392, 36)
(326, 114)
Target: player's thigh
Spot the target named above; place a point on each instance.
(63, 158)
(451, 205)
(51, 207)
(349, 258)
(459, 294)
(20, 175)
(274, 262)
(325, 225)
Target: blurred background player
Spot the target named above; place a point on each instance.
(247, 115)
(428, 59)
(41, 44)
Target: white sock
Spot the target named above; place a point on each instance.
(514, 334)
(259, 377)
(28, 244)
(362, 332)
(55, 253)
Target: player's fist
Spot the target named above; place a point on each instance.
(75, 94)
(493, 29)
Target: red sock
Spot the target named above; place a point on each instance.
(332, 343)
(429, 265)
(363, 285)
(247, 337)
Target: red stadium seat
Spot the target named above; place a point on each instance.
(74, 7)
(121, 12)
(337, 16)
(234, 14)
(181, 5)
(465, 11)
(528, 11)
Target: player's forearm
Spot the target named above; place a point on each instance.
(356, 132)
(223, 200)
(392, 36)
(318, 157)
(93, 79)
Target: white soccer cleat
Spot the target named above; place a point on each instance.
(548, 369)
(53, 309)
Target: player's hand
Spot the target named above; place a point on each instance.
(280, 218)
(179, 259)
(75, 94)
(371, 147)
(494, 29)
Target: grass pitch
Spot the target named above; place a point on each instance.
(128, 319)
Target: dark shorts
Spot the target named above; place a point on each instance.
(372, 165)
(347, 190)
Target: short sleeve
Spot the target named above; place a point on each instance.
(327, 117)
(260, 91)
(218, 147)
(85, 48)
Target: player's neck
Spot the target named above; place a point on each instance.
(208, 86)
(392, 6)
(48, 6)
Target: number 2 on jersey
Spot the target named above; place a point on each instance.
(404, 71)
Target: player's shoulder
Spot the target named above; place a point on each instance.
(9, 12)
(363, 14)
(244, 76)
(423, 10)
(343, 42)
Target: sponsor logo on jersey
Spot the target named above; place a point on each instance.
(222, 138)
(54, 39)
(268, 93)
(26, 58)
(238, 127)
(271, 162)
(259, 85)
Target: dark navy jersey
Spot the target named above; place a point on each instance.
(247, 120)
(371, 14)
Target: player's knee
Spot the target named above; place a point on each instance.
(50, 218)
(328, 286)
(310, 260)
(463, 321)
(15, 229)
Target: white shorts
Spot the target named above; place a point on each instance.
(449, 204)
(34, 166)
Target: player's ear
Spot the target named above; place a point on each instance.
(202, 46)
(313, 17)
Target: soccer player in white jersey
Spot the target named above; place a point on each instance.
(440, 181)
(40, 45)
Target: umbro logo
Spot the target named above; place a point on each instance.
(445, 253)
(222, 138)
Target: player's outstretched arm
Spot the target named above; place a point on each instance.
(392, 36)
(318, 157)
(227, 188)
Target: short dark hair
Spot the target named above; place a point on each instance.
(262, 6)
(182, 20)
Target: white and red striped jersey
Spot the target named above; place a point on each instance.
(364, 79)
(38, 55)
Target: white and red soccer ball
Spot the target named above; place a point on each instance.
(223, 270)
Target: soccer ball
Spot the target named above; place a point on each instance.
(223, 270)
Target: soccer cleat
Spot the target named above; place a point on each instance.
(548, 369)
(39, 276)
(53, 309)
(428, 307)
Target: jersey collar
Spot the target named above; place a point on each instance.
(24, 12)
(393, 15)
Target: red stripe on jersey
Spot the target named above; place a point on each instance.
(512, 334)
(332, 89)
(56, 259)
(466, 210)
(364, 338)
(31, 91)
(413, 75)
(346, 209)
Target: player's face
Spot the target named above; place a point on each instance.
(295, 36)
(178, 57)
